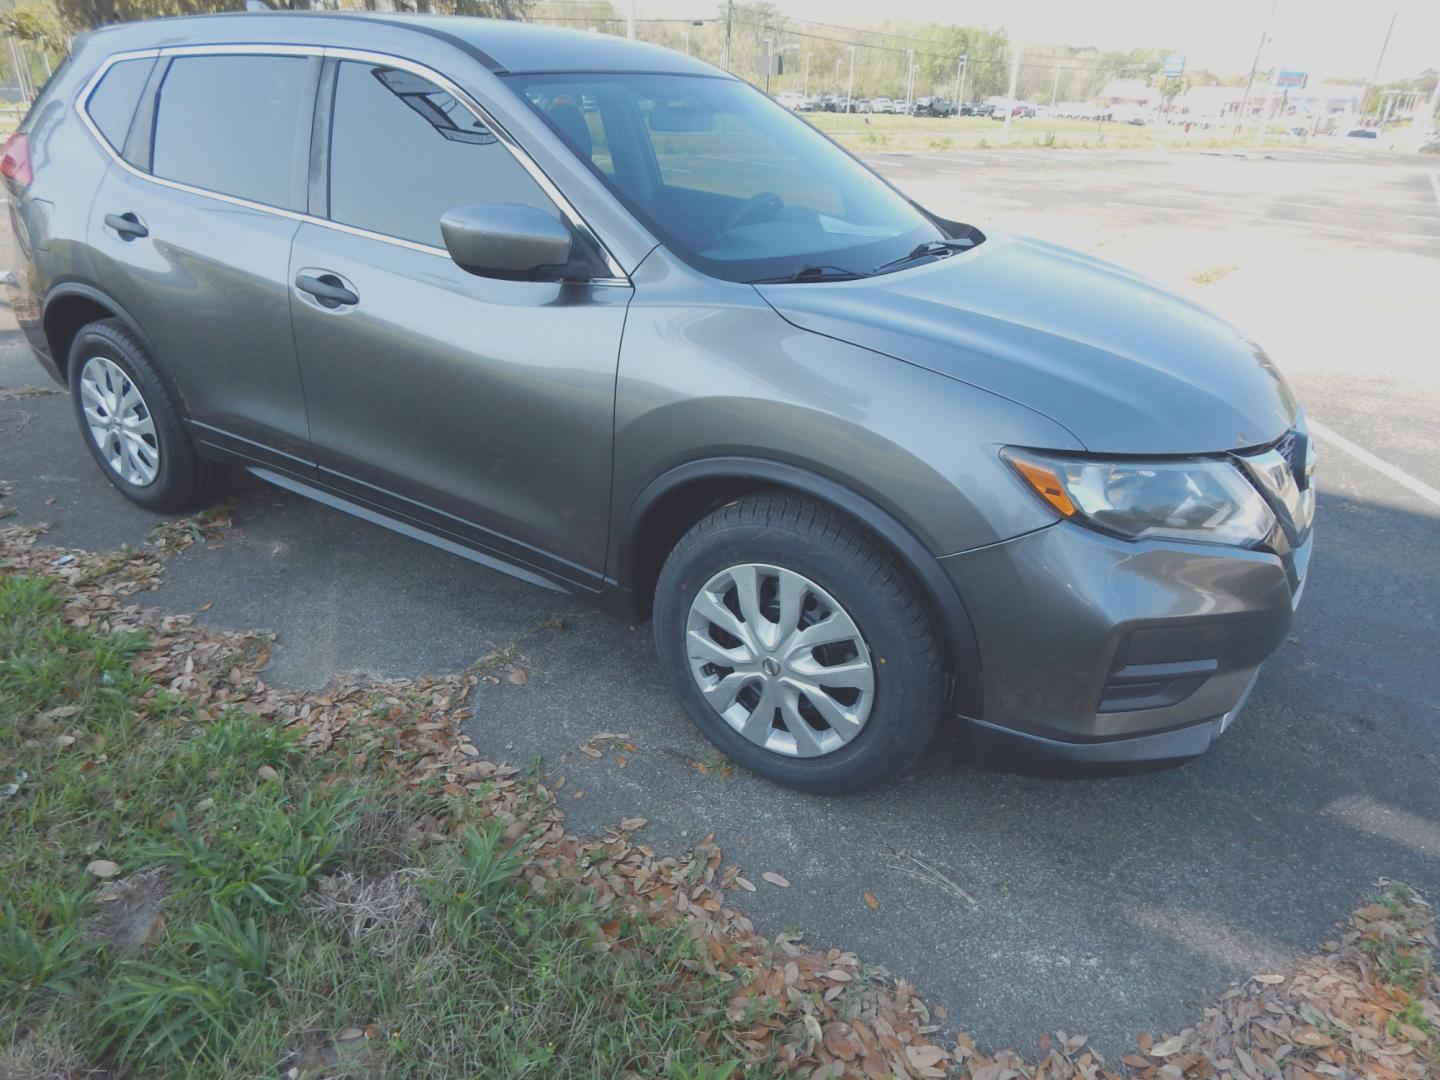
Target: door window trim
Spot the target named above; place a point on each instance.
(568, 211)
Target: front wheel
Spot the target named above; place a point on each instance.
(799, 646)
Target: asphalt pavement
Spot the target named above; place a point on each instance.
(1110, 905)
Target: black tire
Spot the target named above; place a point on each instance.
(183, 480)
(866, 580)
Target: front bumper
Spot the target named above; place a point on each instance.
(1096, 649)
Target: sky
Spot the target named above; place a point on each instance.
(1327, 38)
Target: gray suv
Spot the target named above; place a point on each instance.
(601, 316)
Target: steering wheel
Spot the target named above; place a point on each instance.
(749, 207)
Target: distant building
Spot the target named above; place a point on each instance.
(1207, 102)
(1134, 93)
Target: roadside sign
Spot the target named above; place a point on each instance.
(1292, 80)
(1174, 66)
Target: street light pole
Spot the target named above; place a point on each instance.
(960, 83)
(630, 21)
(909, 79)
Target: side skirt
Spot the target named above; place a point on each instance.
(375, 517)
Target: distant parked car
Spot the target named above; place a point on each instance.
(1299, 131)
(791, 99)
(933, 106)
(882, 105)
(1362, 133)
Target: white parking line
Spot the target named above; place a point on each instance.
(1380, 465)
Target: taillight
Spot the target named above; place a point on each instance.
(15, 159)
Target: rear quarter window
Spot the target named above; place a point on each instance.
(237, 125)
(111, 105)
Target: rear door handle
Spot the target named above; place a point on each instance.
(329, 289)
(128, 225)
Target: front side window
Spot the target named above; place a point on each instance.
(237, 125)
(403, 152)
(112, 104)
(736, 185)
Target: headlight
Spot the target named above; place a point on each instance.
(1188, 500)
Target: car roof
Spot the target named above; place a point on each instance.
(504, 47)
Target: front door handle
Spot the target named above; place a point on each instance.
(128, 225)
(328, 288)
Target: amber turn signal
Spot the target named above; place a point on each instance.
(1045, 481)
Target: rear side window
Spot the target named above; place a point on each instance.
(403, 152)
(237, 125)
(112, 104)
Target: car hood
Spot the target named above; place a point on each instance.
(1127, 367)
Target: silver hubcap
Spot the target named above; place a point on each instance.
(119, 422)
(780, 660)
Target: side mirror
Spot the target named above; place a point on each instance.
(507, 240)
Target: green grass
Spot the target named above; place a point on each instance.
(290, 918)
(923, 133)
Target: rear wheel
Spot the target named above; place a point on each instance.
(131, 423)
(799, 646)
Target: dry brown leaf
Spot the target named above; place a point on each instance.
(871, 901)
(102, 868)
(1169, 1046)
(776, 879)
(924, 1057)
(630, 824)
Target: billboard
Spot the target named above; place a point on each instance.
(1291, 80)
(1174, 66)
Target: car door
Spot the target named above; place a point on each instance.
(191, 232)
(478, 406)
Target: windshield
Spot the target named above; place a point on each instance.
(734, 184)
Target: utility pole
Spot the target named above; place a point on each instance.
(769, 62)
(729, 18)
(1010, 97)
(909, 79)
(686, 35)
(850, 86)
(1055, 90)
(806, 91)
(630, 21)
(960, 83)
(1267, 114)
(1365, 98)
(1254, 66)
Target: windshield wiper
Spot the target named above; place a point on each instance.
(931, 249)
(812, 273)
